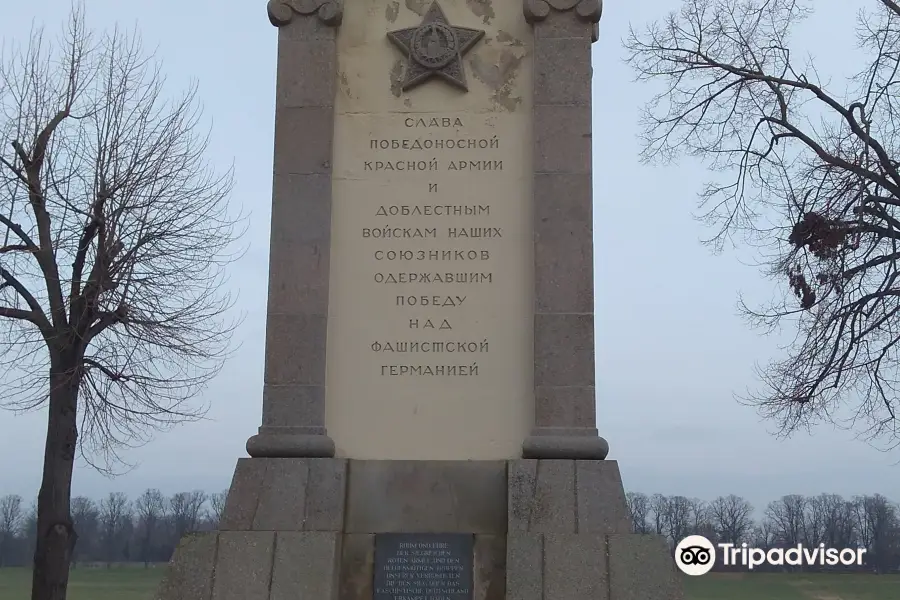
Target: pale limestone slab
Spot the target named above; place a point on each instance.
(384, 404)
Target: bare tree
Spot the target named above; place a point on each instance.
(150, 508)
(879, 525)
(700, 518)
(732, 518)
(86, 521)
(659, 508)
(839, 528)
(185, 508)
(114, 513)
(216, 506)
(11, 518)
(678, 518)
(763, 535)
(786, 516)
(807, 173)
(815, 517)
(114, 236)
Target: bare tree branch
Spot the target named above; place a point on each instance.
(812, 179)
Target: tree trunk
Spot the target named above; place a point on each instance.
(55, 530)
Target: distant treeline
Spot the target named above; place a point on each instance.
(870, 522)
(146, 530)
(115, 529)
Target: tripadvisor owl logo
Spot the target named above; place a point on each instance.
(695, 555)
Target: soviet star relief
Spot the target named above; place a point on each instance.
(435, 48)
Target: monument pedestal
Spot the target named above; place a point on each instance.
(307, 528)
(432, 242)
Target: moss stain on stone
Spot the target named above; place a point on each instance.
(344, 84)
(418, 6)
(391, 11)
(498, 71)
(396, 76)
(505, 38)
(483, 9)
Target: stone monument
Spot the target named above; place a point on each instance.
(428, 427)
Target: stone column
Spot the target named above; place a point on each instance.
(565, 419)
(293, 420)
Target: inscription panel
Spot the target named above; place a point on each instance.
(423, 566)
(430, 308)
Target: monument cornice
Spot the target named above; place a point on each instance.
(538, 10)
(282, 12)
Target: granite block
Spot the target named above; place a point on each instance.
(565, 407)
(244, 565)
(426, 497)
(326, 493)
(357, 567)
(562, 71)
(641, 568)
(282, 499)
(306, 566)
(190, 572)
(562, 139)
(306, 73)
(524, 567)
(243, 495)
(601, 498)
(563, 350)
(295, 349)
(575, 567)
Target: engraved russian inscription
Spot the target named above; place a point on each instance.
(430, 298)
(419, 566)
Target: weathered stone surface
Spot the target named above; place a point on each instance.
(326, 493)
(565, 407)
(282, 499)
(301, 209)
(306, 73)
(524, 567)
(562, 139)
(553, 500)
(294, 344)
(601, 498)
(575, 567)
(568, 445)
(190, 572)
(566, 496)
(562, 71)
(563, 350)
(640, 568)
(303, 140)
(298, 276)
(490, 567)
(357, 564)
(306, 565)
(294, 406)
(244, 565)
(522, 476)
(243, 495)
(287, 442)
(426, 496)
(305, 30)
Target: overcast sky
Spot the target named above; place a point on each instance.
(671, 349)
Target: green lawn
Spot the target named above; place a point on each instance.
(757, 586)
(118, 583)
(137, 583)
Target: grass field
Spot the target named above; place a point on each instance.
(135, 583)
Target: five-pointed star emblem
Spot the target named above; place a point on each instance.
(435, 48)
